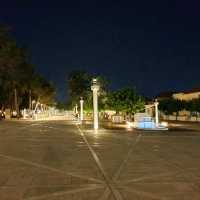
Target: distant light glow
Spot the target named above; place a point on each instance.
(165, 124)
(129, 124)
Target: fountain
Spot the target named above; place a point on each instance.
(145, 122)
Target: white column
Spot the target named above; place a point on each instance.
(81, 106)
(24, 111)
(76, 109)
(156, 112)
(95, 88)
(35, 109)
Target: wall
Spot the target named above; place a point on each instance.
(186, 96)
(181, 118)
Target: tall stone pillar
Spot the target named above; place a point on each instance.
(95, 88)
(81, 106)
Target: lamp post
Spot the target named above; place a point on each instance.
(81, 106)
(156, 112)
(95, 88)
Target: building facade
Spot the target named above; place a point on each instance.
(187, 96)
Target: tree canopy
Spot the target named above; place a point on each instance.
(79, 85)
(18, 80)
(125, 100)
(170, 106)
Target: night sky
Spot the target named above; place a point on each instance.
(154, 45)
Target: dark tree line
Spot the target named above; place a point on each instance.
(170, 106)
(19, 82)
(125, 100)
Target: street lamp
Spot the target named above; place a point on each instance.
(81, 106)
(95, 88)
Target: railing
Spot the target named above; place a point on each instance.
(55, 115)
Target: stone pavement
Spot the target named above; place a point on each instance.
(59, 160)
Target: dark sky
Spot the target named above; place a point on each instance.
(154, 45)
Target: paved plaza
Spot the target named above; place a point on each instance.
(61, 160)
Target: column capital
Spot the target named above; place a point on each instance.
(95, 87)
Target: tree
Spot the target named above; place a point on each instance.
(12, 69)
(170, 106)
(79, 85)
(42, 90)
(18, 79)
(125, 100)
(193, 106)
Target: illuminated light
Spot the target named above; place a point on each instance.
(129, 124)
(176, 125)
(165, 124)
